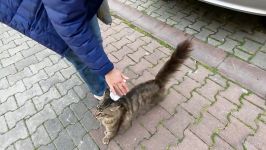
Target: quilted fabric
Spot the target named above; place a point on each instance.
(59, 25)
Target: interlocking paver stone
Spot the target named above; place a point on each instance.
(11, 147)
(132, 137)
(68, 84)
(196, 104)
(7, 71)
(4, 55)
(34, 91)
(90, 101)
(24, 144)
(191, 141)
(30, 81)
(158, 142)
(259, 60)
(151, 46)
(22, 112)
(47, 147)
(221, 109)
(76, 132)
(64, 142)
(219, 79)
(200, 74)
(229, 45)
(39, 118)
(220, 144)
(258, 140)
(208, 125)
(13, 135)
(144, 77)
(9, 105)
(233, 93)
(11, 38)
(20, 65)
(16, 88)
(36, 48)
(44, 54)
(158, 114)
(13, 51)
(179, 122)
(126, 61)
(263, 48)
(172, 100)
(241, 54)
(210, 90)
(203, 34)
(64, 101)
(11, 60)
(79, 109)
(58, 66)
(26, 72)
(4, 83)
(35, 68)
(47, 97)
(7, 46)
(155, 56)
(89, 122)
(68, 72)
(250, 46)
(46, 84)
(136, 56)
(221, 35)
(187, 86)
(256, 100)
(252, 111)
(3, 125)
(53, 127)
(82, 90)
(239, 130)
(88, 143)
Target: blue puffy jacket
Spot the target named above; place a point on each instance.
(59, 25)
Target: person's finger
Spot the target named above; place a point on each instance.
(125, 87)
(118, 91)
(122, 88)
(125, 77)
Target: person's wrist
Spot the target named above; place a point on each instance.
(109, 72)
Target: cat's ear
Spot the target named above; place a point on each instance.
(115, 108)
(107, 93)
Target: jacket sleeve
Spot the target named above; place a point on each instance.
(70, 19)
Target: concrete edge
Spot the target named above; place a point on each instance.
(248, 75)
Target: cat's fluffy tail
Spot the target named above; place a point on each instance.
(171, 66)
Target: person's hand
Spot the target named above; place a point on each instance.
(117, 82)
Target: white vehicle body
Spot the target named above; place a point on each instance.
(257, 7)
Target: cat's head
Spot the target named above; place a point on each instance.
(113, 110)
(108, 108)
(107, 101)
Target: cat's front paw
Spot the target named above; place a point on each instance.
(106, 140)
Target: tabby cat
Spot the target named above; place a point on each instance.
(118, 115)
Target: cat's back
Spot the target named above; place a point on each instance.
(147, 88)
(142, 96)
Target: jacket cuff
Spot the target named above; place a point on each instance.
(106, 69)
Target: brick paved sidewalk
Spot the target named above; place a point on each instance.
(45, 105)
(240, 34)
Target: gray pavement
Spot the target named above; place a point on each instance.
(240, 34)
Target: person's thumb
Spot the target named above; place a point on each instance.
(124, 77)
